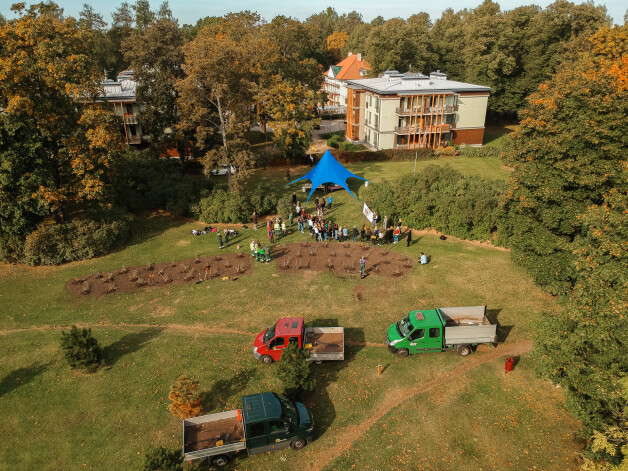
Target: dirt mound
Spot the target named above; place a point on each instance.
(341, 258)
(132, 279)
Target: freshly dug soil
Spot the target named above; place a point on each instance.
(341, 258)
(326, 343)
(133, 279)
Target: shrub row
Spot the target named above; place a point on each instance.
(443, 198)
(77, 240)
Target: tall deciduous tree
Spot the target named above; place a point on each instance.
(47, 82)
(156, 55)
(223, 64)
(334, 43)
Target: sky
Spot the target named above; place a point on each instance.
(189, 11)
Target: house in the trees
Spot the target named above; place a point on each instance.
(335, 84)
(121, 95)
(409, 111)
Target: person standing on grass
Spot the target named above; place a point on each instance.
(271, 236)
(330, 200)
(288, 174)
(291, 217)
(355, 234)
(220, 240)
(226, 237)
(345, 233)
(255, 220)
(261, 253)
(409, 237)
(362, 262)
(294, 200)
(252, 247)
(374, 220)
(385, 223)
(363, 233)
(397, 233)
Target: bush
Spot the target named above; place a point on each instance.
(80, 349)
(80, 239)
(141, 180)
(284, 206)
(161, 459)
(295, 371)
(335, 140)
(186, 398)
(443, 198)
(223, 206)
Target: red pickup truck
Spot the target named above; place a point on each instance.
(324, 343)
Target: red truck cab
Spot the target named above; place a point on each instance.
(269, 344)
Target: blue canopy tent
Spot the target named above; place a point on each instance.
(328, 170)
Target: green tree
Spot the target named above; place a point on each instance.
(295, 371)
(156, 55)
(80, 349)
(144, 16)
(162, 459)
(566, 156)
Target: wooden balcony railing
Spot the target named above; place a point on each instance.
(424, 130)
(130, 118)
(447, 109)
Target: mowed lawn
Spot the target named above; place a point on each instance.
(431, 411)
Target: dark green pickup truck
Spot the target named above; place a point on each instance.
(267, 421)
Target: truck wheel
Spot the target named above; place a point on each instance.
(221, 461)
(317, 362)
(464, 350)
(297, 444)
(266, 359)
(403, 352)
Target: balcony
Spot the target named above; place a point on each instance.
(137, 139)
(401, 130)
(130, 118)
(447, 109)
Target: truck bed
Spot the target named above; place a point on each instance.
(328, 343)
(467, 325)
(201, 435)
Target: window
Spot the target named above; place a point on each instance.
(256, 430)
(277, 426)
(417, 334)
(434, 332)
(278, 342)
(294, 340)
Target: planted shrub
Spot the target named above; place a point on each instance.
(161, 459)
(186, 399)
(80, 349)
(295, 371)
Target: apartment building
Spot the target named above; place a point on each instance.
(335, 84)
(408, 111)
(121, 94)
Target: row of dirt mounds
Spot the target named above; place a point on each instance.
(131, 279)
(342, 258)
(339, 258)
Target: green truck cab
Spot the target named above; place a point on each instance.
(266, 422)
(440, 329)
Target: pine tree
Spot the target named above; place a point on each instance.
(295, 371)
(186, 397)
(161, 459)
(81, 350)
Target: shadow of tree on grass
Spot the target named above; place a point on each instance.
(21, 376)
(129, 343)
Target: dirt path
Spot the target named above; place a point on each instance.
(350, 435)
(188, 329)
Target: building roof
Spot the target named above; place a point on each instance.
(394, 83)
(349, 68)
(123, 88)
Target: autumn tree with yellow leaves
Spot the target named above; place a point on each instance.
(56, 143)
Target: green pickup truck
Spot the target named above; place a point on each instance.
(440, 329)
(266, 422)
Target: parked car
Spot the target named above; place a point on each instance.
(223, 169)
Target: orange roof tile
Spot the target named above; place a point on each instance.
(350, 68)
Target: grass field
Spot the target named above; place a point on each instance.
(433, 411)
